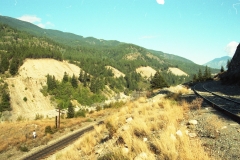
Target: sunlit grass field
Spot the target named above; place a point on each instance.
(147, 128)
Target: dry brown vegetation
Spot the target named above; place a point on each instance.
(154, 128)
(150, 128)
(18, 134)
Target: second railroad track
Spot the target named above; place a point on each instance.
(226, 105)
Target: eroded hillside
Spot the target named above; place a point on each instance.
(26, 97)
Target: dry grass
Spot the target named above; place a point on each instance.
(142, 127)
(15, 134)
(157, 122)
(214, 124)
(197, 103)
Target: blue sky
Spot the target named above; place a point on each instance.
(199, 30)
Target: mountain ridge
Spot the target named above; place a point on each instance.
(218, 62)
(53, 34)
(113, 50)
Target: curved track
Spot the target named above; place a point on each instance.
(45, 152)
(226, 105)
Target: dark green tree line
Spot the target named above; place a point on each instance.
(158, 81)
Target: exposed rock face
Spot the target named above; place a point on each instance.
(235, 62)
(232, 76)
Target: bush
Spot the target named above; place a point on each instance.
(174, 96)
(48, 129)
(149, 94)
(106, 106)
(25, 99)
(71, 111)
(111, 129)
(98, 108)
(88, 120)
(23, 148)
(38, 116)
(117, 104)
(44, 91)
(80, 113)
(112, 155)
(197, 103)
(20, 118)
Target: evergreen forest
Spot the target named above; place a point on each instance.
(20, 40)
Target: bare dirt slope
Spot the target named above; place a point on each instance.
(116, 72)
(29, 82)
(146, 71)
(177, 71)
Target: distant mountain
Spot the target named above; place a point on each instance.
(218, 62)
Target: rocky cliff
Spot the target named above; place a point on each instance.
(232, 75)
(235, 62)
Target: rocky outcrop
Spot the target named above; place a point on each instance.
(232, 75)
(235, 62)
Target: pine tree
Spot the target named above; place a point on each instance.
(71, 112)
(74, 81)
(51, 82)
(81, 76)
(4, 63)
(5, 102)
(222, 69)
(65, 77)
(158, 81)
(195, 78)
(207, 74)
(200, 77)
(94, 86)
(14, 66)
(86, 79)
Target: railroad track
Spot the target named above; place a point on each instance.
(49, 150)
(226, 105)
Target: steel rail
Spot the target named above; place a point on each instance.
(204, 87)
(49, 150)
(233, 116)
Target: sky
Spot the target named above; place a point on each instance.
(199, 30)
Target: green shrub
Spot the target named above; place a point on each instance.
(25, 99)
(48, 129)
(88, 120)
(106, 106)
(80, 113)
(117, 104)
(44, 91)
(98, 108)
(23, 148)
(38, 116)
(20, 118)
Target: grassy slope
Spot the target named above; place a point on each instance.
(157, 120)
(141, 127)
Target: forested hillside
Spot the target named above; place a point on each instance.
(20, 40)
(15, 46)
(78, 47)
